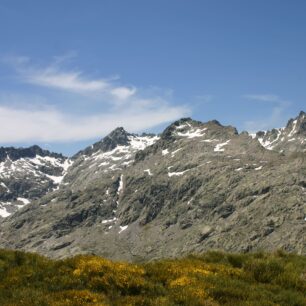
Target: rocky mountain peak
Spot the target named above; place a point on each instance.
(291, 138)
(170, 132)
(185, 120)
(187, 127)
(30, 152)
(113, 153)
(118, 137)
(297, 125)
(215, 122)
(302, 114)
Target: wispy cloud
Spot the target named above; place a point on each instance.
(275, 117)
(71, 81)
(55, 76)
(115, 105)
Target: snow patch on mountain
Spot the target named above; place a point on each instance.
(3, 211)
(219, 146)
(174, 152)
(122, 228)
(293, 131)
(165, 152)
(24, 201)
(120, 188)
(177, 173)
(141, 142)
(109, 220)
(148, 171)
(192, 133)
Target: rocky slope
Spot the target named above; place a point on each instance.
(27, 174)
(198, 186)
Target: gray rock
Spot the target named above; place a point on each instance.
(198, 186)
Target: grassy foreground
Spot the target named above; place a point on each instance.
(213, 278)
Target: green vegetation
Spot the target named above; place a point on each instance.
(211, 279)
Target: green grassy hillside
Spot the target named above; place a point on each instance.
(213, 278)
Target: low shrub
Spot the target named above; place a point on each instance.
(210, 279)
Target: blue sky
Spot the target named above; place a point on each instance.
(71, 71)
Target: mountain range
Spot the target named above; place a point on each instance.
(194, 187)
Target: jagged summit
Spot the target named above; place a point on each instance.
(30, 152)
(114, 152)
(169, 132)
(297, 125)
(291, 138)
(119, 136)
(193, 128)
(216, 122)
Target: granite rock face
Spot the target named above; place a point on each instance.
(195, 187)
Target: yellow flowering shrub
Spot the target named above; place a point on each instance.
(103, 274)
(211, 279)
(181, 281)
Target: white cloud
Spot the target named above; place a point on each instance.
(123, 93)
(21, 125)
